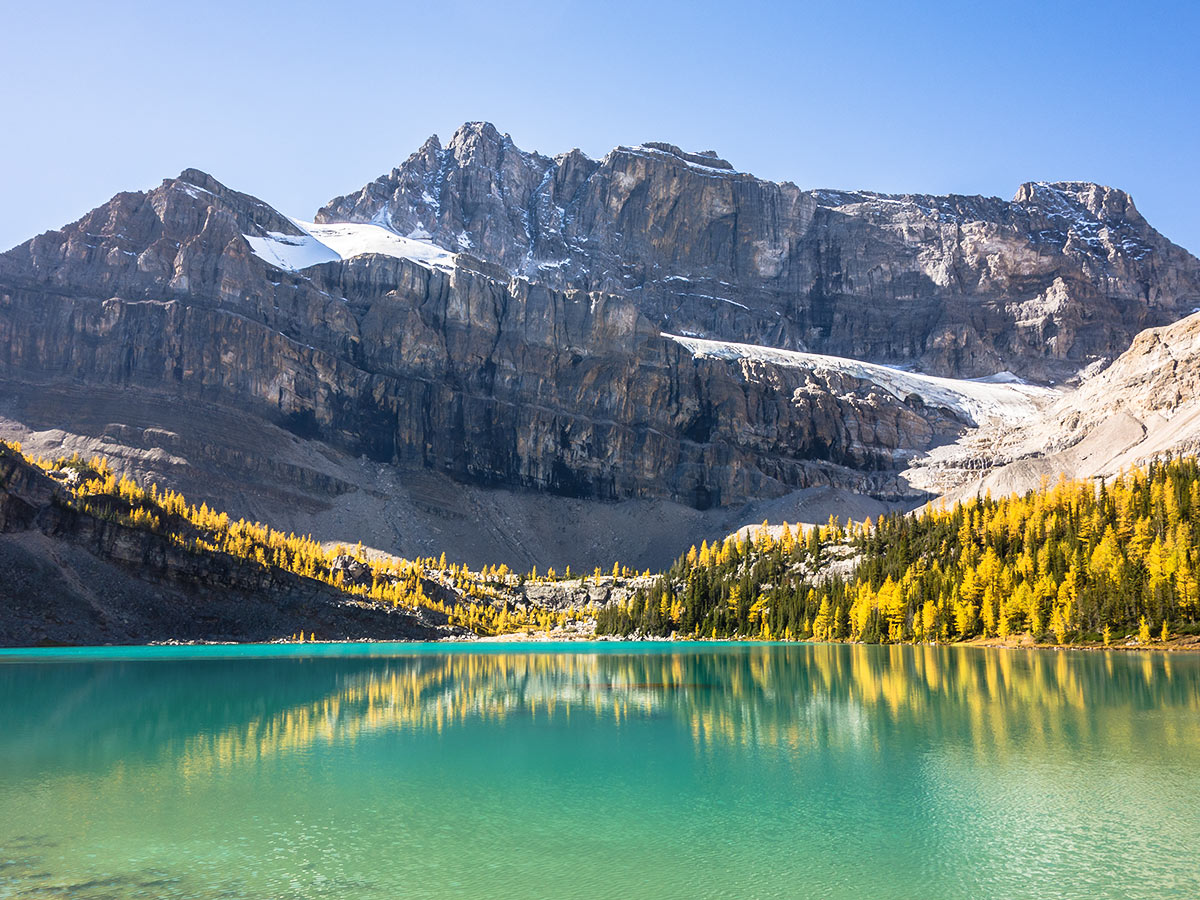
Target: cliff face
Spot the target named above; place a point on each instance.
(498, 316)
(491, 378)
(964, 286)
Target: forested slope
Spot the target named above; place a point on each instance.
(1075, 561)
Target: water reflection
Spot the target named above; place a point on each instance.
(209, 715)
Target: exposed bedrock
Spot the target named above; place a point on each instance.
(1062, 275)
(535, 359)
(492, 380)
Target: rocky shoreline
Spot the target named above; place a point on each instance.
(1182, 644)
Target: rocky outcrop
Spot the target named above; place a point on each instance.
(1146, 405)
(578, 593)
(1062, 275)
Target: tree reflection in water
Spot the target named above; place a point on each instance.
(210, 714)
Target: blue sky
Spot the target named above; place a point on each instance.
(300, 102)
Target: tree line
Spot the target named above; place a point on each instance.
(1070, 562)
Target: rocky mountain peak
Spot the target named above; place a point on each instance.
(479, 147)
(433, 142)
(472, 134)
(705, 250)
(199, 179)
(1071, 198)
(429, 153)
(148, 244)
(204, 191)
(650, 325)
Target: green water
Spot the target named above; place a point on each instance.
(599, 771)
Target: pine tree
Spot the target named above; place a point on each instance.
(822, 627)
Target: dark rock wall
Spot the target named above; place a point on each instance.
(538, 361)
(493, 381)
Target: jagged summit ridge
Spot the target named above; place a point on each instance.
(954, 285)
(706, 159)
(1098, 199)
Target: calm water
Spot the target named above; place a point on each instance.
(599, 771)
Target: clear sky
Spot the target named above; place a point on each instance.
(299, 102)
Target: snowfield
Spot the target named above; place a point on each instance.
(1002, 397)
(330, 243)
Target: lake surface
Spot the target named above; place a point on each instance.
(599, 771)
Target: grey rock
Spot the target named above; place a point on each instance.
(493, 380)
(538, 361)
(1064, 274)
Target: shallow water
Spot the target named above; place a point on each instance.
(597, 771)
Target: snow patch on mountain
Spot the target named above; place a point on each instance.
(1002, 397)
(290, 252)
(330, 243)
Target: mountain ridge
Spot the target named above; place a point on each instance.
(555, 219)
(576, 380)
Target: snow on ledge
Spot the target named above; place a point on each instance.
(643, 150)
(330, 243)
(1002, 396)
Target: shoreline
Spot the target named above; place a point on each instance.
(1181, 644)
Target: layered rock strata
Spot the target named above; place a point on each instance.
(490, 378)
(523, 322)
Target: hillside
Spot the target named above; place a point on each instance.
(93, 558)
(1069, 563)
(90, 558)
(1141, 407)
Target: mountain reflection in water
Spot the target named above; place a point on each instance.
(216, 713)
(598, 772)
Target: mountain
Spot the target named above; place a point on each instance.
(473, 349)
(1042, 285)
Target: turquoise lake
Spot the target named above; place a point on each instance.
(598, 771)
